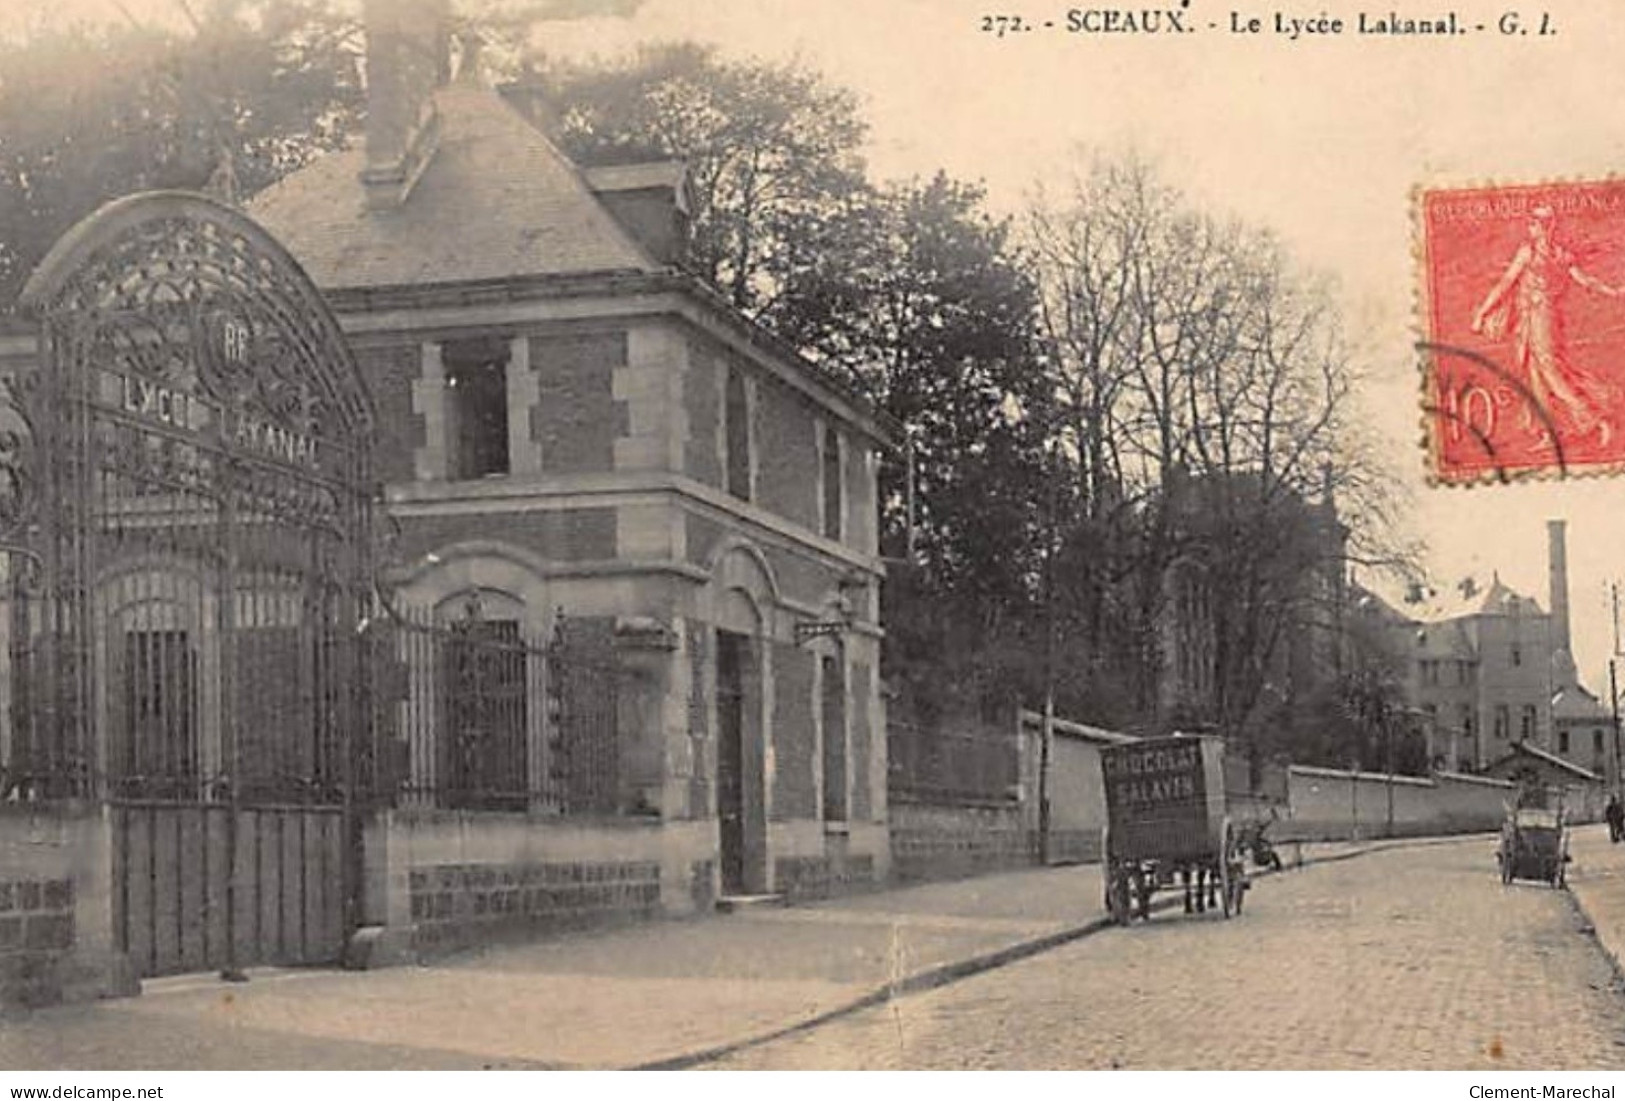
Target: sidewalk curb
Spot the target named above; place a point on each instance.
(1590, 929)
(929, 979)
(954, 970)
(1369, 847)
(1606, 942)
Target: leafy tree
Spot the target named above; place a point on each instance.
(250, 91)
(771, 148)
(913, 294)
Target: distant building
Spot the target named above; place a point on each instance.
(1581, 791)
(1489, 669)
(1302, 604)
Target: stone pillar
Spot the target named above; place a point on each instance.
(650, 716)
(524, 391)
(429, 402)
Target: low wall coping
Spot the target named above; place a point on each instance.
(443, 816)
(1465, 778)
(950, 802)
(55, 810)
(1374, 777)
(1076, 729)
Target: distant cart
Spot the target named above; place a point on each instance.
(1535, 839)
(1167, 821)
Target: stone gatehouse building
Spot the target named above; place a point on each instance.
(626, 543)
(571, 426)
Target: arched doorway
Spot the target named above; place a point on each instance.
(743, 597)
(741, 768)
(192, 641)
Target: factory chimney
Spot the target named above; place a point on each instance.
(1563, 671)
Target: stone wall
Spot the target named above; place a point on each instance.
(36, 931)
(804, 878)
(391, 372)
(56, 908)
(577, 419)
(454, 905)
(566, 535)
(795, 739)
(1332, 804)
(441, 880)
(948, 841)
(786, 453)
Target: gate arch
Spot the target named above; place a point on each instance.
(199, 440)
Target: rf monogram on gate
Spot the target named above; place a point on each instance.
(234, 342)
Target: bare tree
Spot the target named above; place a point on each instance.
(1205, 396)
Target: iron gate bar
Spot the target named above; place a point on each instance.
(202, 437)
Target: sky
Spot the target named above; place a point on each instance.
(1324, 140)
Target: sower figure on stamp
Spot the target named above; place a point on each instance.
(1527, 302)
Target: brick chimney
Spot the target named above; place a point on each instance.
(1558, 565)
(408, 57)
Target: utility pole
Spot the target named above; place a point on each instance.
(1050, 539)
(1613, 689)
(908, 494)
(1388, 764)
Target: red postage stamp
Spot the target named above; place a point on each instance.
(1523, 310)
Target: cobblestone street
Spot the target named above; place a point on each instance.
(1416, 958)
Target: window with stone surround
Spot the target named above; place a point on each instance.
(1503, 722)
(1528, 729)
(476, 408)
(834, 498)
(736, 435)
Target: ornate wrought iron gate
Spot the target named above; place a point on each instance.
(191, 642)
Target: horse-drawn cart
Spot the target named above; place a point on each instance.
(1166, 819)
(1535, 839)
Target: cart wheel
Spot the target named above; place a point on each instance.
(1143, 888)
(1236, 884)
(1229, 871)
(1117, 896)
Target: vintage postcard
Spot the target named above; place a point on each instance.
(811, 535)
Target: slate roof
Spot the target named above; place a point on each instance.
(1525, 749)
(1448, 638)
(1575, 701)
(1452, 604)
(497, 200)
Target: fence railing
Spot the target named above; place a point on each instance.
(482, 716)
(467, 713)
(943, 764)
